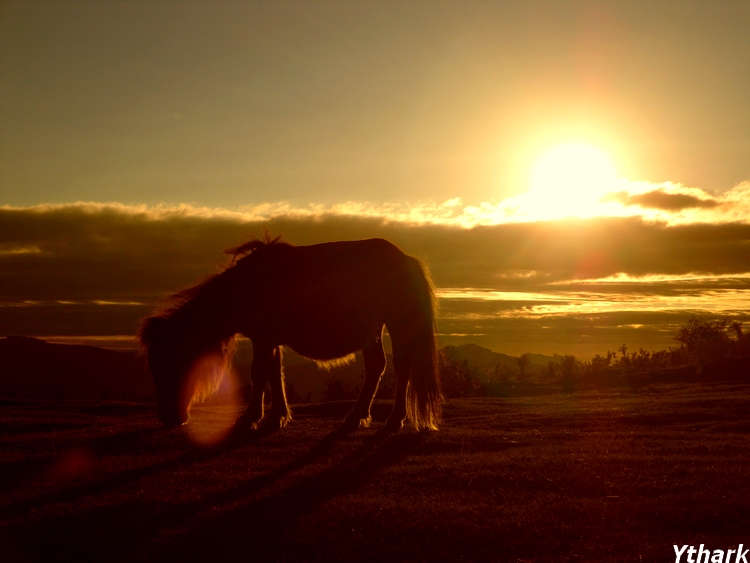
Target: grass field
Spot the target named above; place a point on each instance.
(620, 475)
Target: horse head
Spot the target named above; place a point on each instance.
(186, 368)
(169, 361)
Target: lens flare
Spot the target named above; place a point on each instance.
(212, 415)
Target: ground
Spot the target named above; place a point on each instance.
(620, 475)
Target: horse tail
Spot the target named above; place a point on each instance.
(424, 400)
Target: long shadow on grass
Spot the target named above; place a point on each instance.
(130, 527)
(257, 530)
(112, 532)
(24, 473)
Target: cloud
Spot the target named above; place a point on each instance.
(667, 202)
(120, 253)
(97, 268)
(660, 199)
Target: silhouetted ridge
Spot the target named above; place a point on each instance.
(34, 369)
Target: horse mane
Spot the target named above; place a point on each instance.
(255, 244)
(151, 328)
(211, 366)
(172, 312)
(171, 306)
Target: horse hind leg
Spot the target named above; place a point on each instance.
(280, 414)
(374, 360)
(398, 414)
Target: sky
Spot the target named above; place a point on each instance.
(576, 174)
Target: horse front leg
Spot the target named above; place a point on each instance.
(260, 372)
(374, 360)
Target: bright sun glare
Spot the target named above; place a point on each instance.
(569, 180)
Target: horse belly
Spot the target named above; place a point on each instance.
(323, 334)
(329, 301)
(330, 338)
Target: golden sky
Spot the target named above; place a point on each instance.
(575, 173)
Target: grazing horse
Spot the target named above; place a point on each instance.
(325, 302)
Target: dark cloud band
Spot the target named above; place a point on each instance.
(81, 270)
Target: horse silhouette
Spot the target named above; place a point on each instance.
(324, 301)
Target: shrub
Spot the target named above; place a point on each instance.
(339, 390)
(458, 378)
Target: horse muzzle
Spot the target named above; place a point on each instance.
(173, 419)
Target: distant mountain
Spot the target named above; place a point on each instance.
(32, 368)
(479, 357)
(484, 358)
(543, 360)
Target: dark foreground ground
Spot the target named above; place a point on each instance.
(593, 476)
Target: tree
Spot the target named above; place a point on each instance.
(552, 370)
(599, 363)
(292, 395)
(339, 390)
(710, 340)
(568, 367)
(458, 377)
(500, 374)
(524, 363)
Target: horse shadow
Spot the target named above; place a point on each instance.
(130, 527)
(24, 473)
(258, 528)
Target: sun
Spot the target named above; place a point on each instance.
(569, 180)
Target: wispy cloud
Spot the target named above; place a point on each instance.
(682, 279)
(543, 303)
(11, 248)
(661, 199)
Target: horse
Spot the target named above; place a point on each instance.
(324, 301)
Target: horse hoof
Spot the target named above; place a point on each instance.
(393, 426)
(275, 422)
(349, 426)
(245, 424)
(352, 424)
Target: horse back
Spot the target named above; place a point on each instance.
(333, 264)
(325, 300)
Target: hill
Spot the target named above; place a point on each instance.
(32, 368)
